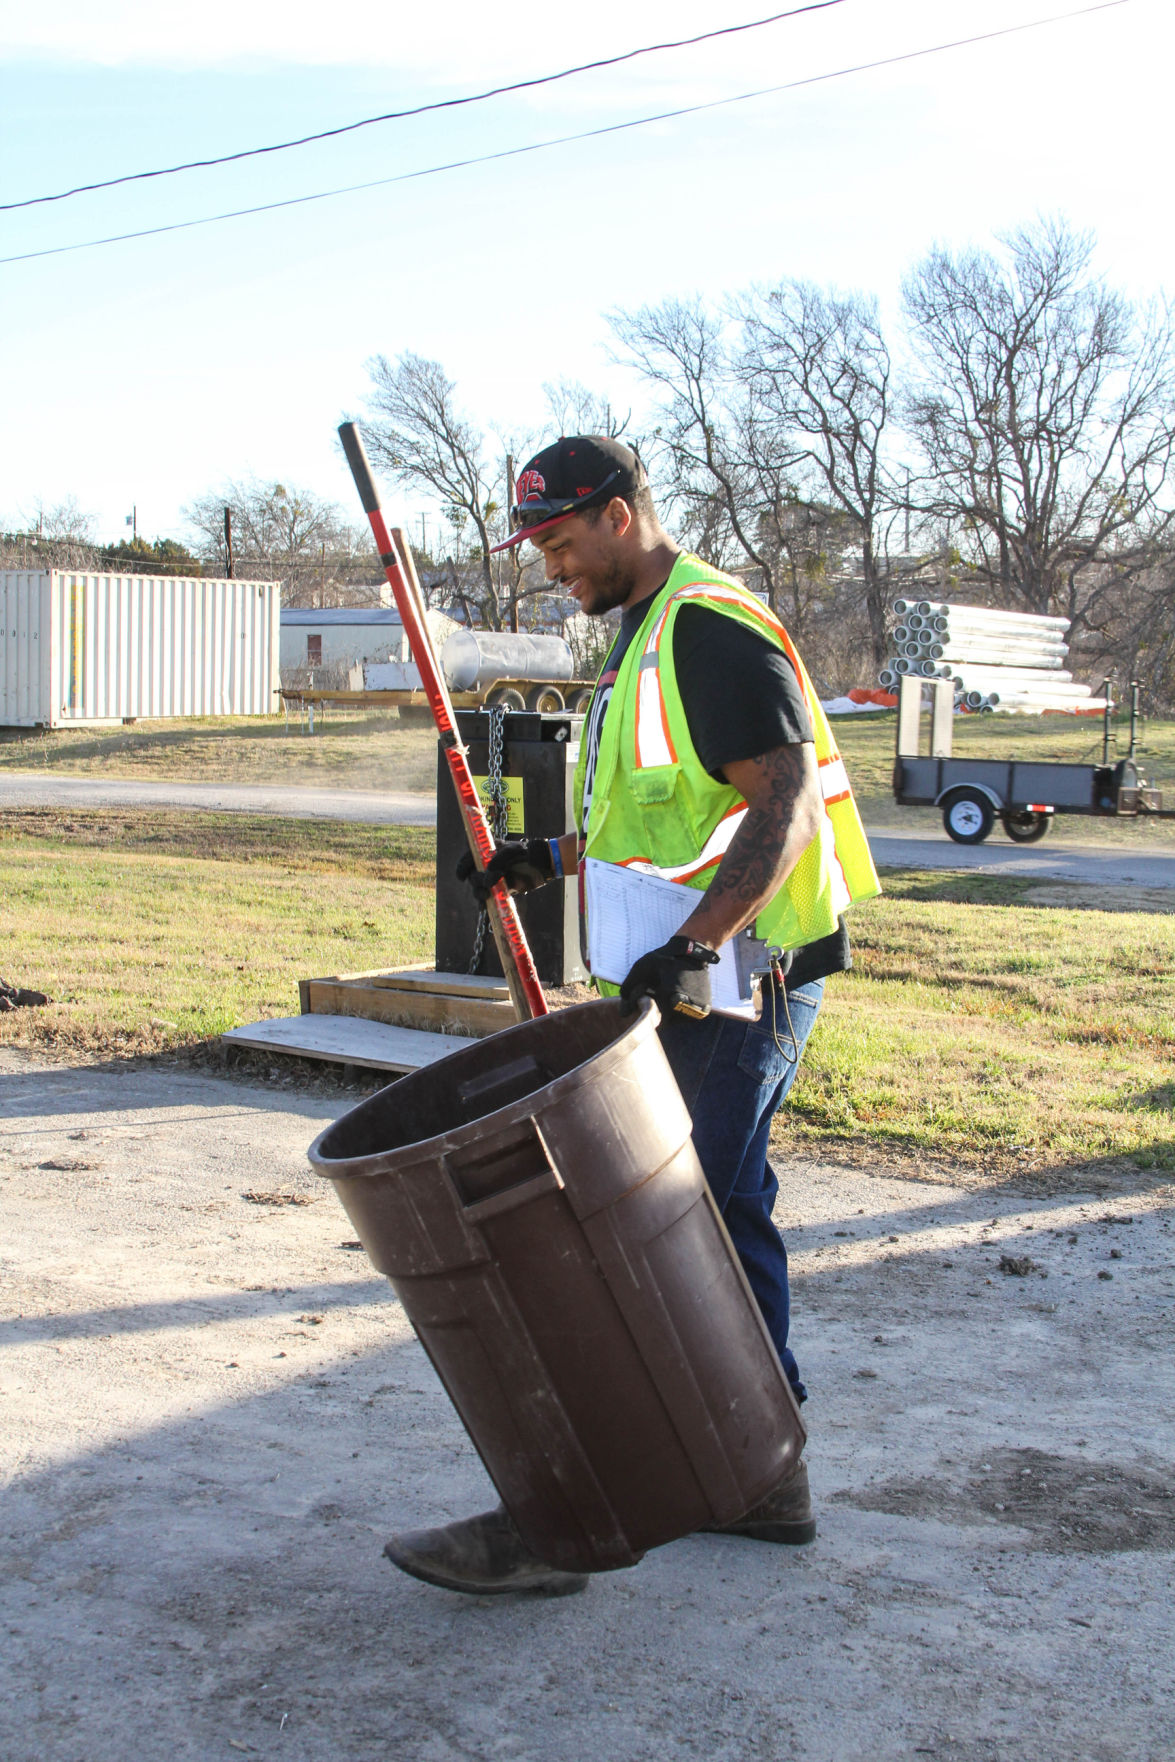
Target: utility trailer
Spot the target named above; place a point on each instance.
(1023, 794)
(548, 697)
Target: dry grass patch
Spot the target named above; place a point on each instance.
(349, 749)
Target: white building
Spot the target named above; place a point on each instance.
(329, 641)
(335, 643)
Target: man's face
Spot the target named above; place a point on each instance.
(591, 560)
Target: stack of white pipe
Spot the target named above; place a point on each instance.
(1004, 660)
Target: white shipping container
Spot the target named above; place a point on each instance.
(78, 648)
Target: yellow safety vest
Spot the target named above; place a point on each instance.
(654, 805)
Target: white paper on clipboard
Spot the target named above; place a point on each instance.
(630, 912)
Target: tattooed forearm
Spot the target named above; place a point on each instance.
(782, 792)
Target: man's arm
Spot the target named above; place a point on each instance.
(784, 805)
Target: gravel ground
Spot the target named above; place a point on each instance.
(213, 1413)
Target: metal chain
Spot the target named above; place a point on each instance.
(499, 815)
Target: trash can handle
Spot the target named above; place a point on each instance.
(546, 1179)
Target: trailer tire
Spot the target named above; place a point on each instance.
(506, 698)
(546, 699)
(1026, 827)
(968, 817)
(578, 703)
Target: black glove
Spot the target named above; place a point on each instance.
(523, 864)
(674, 976)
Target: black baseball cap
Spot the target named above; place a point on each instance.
(577, 471)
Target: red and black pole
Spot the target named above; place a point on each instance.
(513, 949)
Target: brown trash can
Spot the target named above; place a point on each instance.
(538, 1205)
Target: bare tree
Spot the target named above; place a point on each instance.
(733, 480)
(288, 534)
(576, 410)
(58, 536)
(418, 431)
(682, 351)
(65, 523)
(1044, 408)
(815, 370)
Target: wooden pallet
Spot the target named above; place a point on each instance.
(394, 1021)
(413, 997)
(347, 1040)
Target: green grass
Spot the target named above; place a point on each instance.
(980, 1028)
(978, 1031)
(156, 931)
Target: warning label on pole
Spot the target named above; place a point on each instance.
(515, 823)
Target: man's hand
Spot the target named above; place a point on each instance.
(674, 976)
(523, 864)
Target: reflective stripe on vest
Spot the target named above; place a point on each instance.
(834, 780)
(710, 855)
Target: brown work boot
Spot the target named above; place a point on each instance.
(785, 1515)
(483, 1555)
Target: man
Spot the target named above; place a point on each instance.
(707, 760)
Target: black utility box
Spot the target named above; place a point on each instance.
(538, 767)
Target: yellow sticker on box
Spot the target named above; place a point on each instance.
(515, 823)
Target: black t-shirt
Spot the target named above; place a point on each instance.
(741, 698)
(740, 693)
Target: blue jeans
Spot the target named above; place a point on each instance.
(733, 1075)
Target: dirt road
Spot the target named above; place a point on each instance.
(1061, 857)
(213, 1412)
(48, 789)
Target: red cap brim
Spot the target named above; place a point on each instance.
(516, 538)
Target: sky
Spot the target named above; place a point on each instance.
(146, 373)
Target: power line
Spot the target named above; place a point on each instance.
(566, 140)
(347, 128)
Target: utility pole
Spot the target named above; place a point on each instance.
(228, 542)
(515, 568)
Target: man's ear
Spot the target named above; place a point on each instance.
(619, 516)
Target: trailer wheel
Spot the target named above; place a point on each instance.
(546, 699)
(1026, 827)
(578, 703)
(506, 698)
(968, 817)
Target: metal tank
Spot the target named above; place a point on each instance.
(474, 659)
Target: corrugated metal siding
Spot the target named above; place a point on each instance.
(113, 646)
(24, 648)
